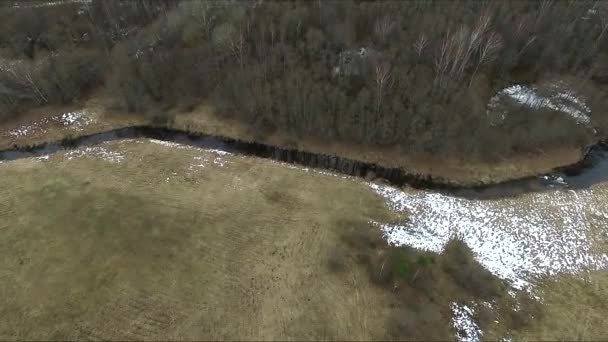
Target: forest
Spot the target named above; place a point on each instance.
(413, 74)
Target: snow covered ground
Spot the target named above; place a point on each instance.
(557, 96)
(464, 324)
(76, 120)
(519, 239)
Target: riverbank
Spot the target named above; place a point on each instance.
(46, 126)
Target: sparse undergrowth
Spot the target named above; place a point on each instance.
(425, 284)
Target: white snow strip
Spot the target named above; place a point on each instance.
(168, 143)
(462, 321)
(41, 158)
(518, 239)
(220, 152)
(96, 152)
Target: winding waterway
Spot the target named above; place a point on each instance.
(593, 169)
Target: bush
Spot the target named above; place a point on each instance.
(67, 76)
(458, 261)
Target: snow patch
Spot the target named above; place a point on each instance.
(220, 152)
(96, 152)
(560, 99)
(75, 120)
(517, 239)
(462, 321)
(33, 128)
(168, 144)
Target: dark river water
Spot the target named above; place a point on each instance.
(592, 170)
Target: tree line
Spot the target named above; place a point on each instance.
(414, 74)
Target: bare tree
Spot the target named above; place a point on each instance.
(23, 75)
(203, 10)
(603, 28)
(456, 52)
(382, 77)
(442, 58)
(420, 44)
(530, 41)
(488, 51)
(383, 27)
(545, 5)
(521, 25)
(233, 40)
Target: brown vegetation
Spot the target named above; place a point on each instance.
(416, 75)
(425, 284)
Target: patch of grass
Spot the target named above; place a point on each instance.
(574, 309)
(150, 249)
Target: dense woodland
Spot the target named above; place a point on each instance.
(416, 74)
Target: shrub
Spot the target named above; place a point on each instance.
(458, 261)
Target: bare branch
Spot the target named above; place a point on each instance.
(383, 27)
(382, 77)
(420, 44)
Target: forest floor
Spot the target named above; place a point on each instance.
(44, 125)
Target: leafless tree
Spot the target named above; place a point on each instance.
(232, 39)
(545, 5)
(488, 51)
(442, 58)
(530, 41)
(382, 77)
(204, 14)
(521, 25)
(420, 44)
(23, 75)
(603, 28)
(384, 26)
(457, 51)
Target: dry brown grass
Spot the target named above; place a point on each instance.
(574, 309)
(149, 249)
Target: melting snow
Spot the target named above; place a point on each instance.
(168, 143)
(462, 321)
(220, 152)
(23, 130)
(97, 152)
(561, 99)
(517, 239)
(73, 120)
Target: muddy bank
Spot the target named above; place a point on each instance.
(583, 174)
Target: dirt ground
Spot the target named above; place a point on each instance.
(180, 244)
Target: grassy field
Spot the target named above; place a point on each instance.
(142, 239)
(180, 244)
